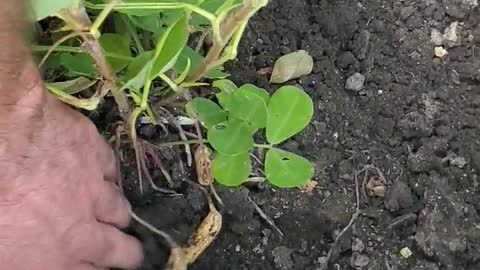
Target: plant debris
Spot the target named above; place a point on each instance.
(292, 66)
(376, 187)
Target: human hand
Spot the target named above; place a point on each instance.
(59, 206)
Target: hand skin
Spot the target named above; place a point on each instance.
(59, 206)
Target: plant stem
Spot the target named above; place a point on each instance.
(101, 18)
(229, 27)
(266, 146)
(168, 144)
(42, 48)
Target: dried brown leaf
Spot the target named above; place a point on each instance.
(292, 66)
(310, 187)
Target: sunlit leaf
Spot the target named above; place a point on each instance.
(231, 170)
(289, 112)
(44, 8)
(206, 111)
(292, 66)
(169, 47)
(74, 86)
(262, 93)
(79, 64)
(231, 137)
(196, 60)
(118, 49)
(284, 169)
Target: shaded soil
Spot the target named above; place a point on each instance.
(416, 120)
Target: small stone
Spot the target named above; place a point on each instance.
(406, 252)
(440, 52)
(355, 82)
(436, 37)
(457, 161)
(450, 36)
(358, 245)
(237, 248)
(359, 261)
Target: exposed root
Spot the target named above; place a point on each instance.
(139, 160)
(182, 135)
(159, 164)
(176, 261)
(349, 225)
(150, 179)
(264, 216)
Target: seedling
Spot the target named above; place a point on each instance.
(140, 52)
(241, 114)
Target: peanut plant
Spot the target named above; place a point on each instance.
(143, 50)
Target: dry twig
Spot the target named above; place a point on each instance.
(264, 216)
(354, 217)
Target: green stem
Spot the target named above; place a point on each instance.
(266, 146)
(101, 18)
(42, 48)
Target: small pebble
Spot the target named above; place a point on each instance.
(440, 52)
(355, 82)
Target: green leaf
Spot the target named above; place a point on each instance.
(196, 59)
(211, 6)
(284, 169)
(169, 47)
(289, 112)
(79, 64)
(158, 21)
(206, 111)
(231, 137)
(137, 71)
(231, 170)
(73, 86)
(139, 11)
(250, 88)
(248, 107)
(117, 49)
(45, 8)
(227, 88)
(225, 85)
(120, 24)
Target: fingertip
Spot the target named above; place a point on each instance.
(124, 251)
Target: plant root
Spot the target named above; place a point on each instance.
(264, 216)
(354, 217)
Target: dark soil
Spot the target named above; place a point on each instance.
(416, 120)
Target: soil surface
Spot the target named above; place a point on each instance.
(412, 129)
